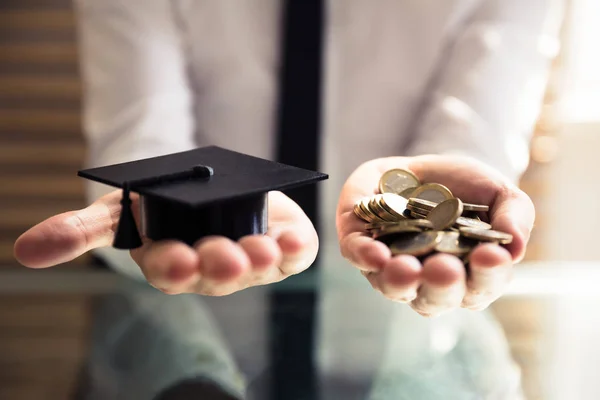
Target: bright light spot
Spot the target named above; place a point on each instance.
(492, 38)
(544, 149)
(443, 339)
(457, 109)
(548, 46)
(518, 151)
(581, 101)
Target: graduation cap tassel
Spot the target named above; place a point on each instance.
(127, 236)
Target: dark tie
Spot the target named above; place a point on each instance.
(299, 119)
(298, 128)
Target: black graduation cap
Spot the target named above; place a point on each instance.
(189, 195)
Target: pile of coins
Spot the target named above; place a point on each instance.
(421, 219)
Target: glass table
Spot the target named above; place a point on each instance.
(323, 334)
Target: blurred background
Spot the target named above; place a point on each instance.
(43, 336)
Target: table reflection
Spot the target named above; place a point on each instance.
(143, 344)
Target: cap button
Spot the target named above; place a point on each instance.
(203, 171)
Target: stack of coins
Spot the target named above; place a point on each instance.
(421, 219)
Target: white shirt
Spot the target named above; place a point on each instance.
(402, 77)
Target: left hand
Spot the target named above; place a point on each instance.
(440, 284)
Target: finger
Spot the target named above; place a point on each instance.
(222, 260)
(490, 273)
(400, 278)
(294, 234)
(513, 212)
(298, 252)
(265, 258)
(263, 252)
(443, 285)
(170, 266)
(364, 252)
(66, 236)
(357, 247)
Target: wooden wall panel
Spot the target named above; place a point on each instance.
(35, 20)
(41, 145)
(43, 339)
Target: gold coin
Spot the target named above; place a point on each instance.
(364, 206)
(406, 193)
(397, 180)
(378, 225)
(400, 227)
(472, 223)
(450, 243)
(433, 192)
(486, 235)
(418, 244)
(393, 204)
(445, 214)
(475, 207)
(419, 223)
(421, 203)
(419, 210)
(376, 207)
(359, 212)
(418, 215)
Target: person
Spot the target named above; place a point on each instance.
(450, 91)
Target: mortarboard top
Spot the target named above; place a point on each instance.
(192, 194)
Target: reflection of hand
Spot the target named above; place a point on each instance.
(214, 266)
(439, 284)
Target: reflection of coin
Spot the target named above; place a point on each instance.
(397, 180)
(444, 215)
(417, 244)
(432, 192)
(472, 223)
(451, 243)
(486, 235)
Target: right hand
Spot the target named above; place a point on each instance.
(213, 266)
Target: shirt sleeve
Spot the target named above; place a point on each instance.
(137, 101)
(488, 89)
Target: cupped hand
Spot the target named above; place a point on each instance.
(439, 284)
(213, 266)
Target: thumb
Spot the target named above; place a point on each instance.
(66, 236)
(513, 212)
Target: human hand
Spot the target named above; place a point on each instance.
(439, 284)
(214, 266)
